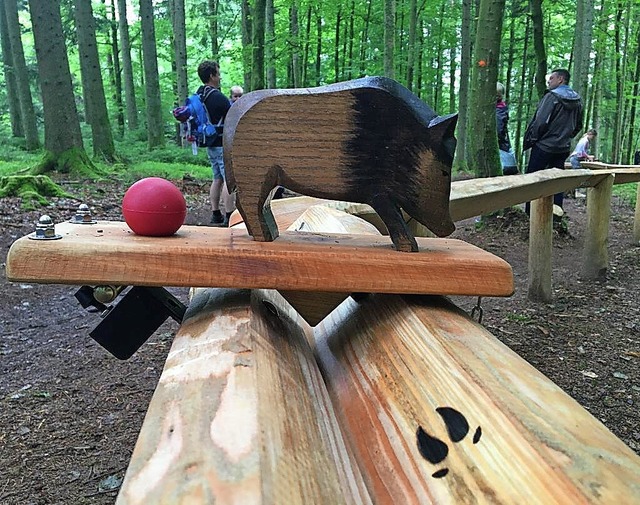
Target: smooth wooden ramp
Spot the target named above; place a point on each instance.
(109, 253)
(390, 362)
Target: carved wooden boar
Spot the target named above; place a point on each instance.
(369, 140)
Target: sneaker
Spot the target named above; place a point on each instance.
(216, 218)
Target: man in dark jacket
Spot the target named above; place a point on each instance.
(557, 120)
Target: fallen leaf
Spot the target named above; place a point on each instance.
(635, 354)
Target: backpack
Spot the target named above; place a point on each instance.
(196, 126)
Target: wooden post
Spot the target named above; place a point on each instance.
(596, 257)
(438, 410)
(540, 249)
(636, 220)
(241, 414)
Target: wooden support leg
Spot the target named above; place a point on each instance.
(241, 414)
(596, 257)
(438, 410)
(540, 249)
(636, 220)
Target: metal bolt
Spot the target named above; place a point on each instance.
(83, 215)
(106, 294)
(45, 229)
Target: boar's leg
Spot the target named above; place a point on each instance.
(254, 206)
(399, 232)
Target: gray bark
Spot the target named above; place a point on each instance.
(127, 67)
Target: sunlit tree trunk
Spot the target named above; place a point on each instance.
(62, 138)
(620, 36)
(460, 162)
(318, 46)
(127, 67)
(294, 36)
(155, 124)
(336, 47)
(257, 42)
(411, 42)
(113, 63)
(94, 100)
(10, 77)
(483, 142)
(582, 47)
(270, 44)
(27, 113)
(180, 49)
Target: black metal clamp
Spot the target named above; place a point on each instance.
(128, 324)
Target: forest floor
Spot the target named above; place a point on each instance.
(70, 413)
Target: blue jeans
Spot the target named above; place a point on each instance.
(217, 162)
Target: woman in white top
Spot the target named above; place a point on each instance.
(581, 152)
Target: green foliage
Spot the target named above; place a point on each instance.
(627, 192)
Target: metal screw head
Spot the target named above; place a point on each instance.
(45, 229)
(83, 215)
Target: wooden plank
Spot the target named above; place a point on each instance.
(623, 175)
(391, 361)
(475, 197)
(241, 414)
(109, 252)
(596, 255)
(540, 249)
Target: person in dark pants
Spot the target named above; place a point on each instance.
(557, 120)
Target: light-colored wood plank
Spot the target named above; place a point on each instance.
(596, 255)
(475, 197)
(540, 249)
(391, 361)
(241, 414)
(225, 257)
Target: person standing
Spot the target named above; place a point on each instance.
(581, 152)
(217, 106)
(556, 121)
(507, 158)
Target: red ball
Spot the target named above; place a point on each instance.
(154, 207)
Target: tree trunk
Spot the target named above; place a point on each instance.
(113, 61)
(538, 44)
(582, 47)
(460, 162)
(62, 138)
(27, 112)
(95, 101)
(411, 43)
(213, 26)
(10, 77)
(364, 41)
(269, 44)
(294, 35)
(155, 124)
(127, 67)
(318, 46)
(180, 49)
(247, 48)
(257, 41)
(389, 37)
(483, 143)
(336, 47)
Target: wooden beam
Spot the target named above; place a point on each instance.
(475, 197)
(109, 253)
(540, 249)
(241, 414)
(636, 219)
(596, 256)
(391, 361)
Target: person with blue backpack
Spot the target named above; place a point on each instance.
(216, 105)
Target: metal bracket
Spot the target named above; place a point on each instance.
(129, 324)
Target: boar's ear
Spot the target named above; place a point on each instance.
(441, 129)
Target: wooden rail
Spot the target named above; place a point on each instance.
(391, 399)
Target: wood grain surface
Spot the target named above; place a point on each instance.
(241, 414)
(394, 365)
(109, 253)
